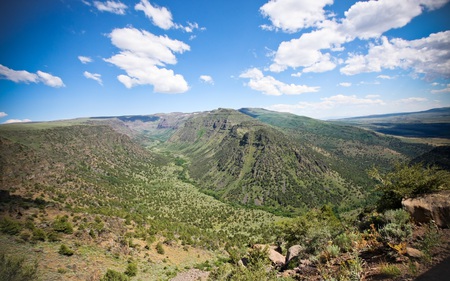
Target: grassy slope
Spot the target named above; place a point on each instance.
(92, 171)
(348, 150)
(243, 160)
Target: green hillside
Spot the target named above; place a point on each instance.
(245, 161)
(109, 188)
(349, 150)
(147, 197)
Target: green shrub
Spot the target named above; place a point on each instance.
(390, 270)
(430, 240)
(10, 226)
(25, 235)
(407, 181)
(352, 269)
(38, 235)
(159, 248)
(398, 228)
(112, 275)
(53, 236)
(64, 250)
(312, 230)
(15, 269)
(332, 251)
(61, 224)
(343, 241)
(131, 269)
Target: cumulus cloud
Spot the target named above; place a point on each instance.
(16, 121)
(207, 79)
(23, 76)
(143, 56)
(18, 75)
(268, 85)
(50, 80)
(3, 114)
(162, 17)
(293, 15)
(93, 76)
(427, 56)
(345, 84)
(115, 7)
(363, 20)
(84, 59)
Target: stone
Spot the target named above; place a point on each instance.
(293, 252)
(414, 253)
(427, 207)
(276, 258)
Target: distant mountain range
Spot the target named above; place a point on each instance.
(433, 123)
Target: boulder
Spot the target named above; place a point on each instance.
(414, 253)
(293, 252)
(276, 258)
(435, 206)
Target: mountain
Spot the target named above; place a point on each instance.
(134, 191)
(349, 150)
(433, 123)
(109, 200)
(243, 160)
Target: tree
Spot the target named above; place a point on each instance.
(407, 181)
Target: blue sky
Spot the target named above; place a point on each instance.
(63, 59)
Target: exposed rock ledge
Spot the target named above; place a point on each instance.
(435, 206)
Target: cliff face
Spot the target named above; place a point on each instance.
(243, 160)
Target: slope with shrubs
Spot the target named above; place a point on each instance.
(89, 186)
(240, 159)
(349, 150)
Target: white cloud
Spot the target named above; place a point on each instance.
(115, 7)
(444, 90)
(293, 15)
(93, 76)
(84, 59)
(412, 100)
(16, 121)
(3, 114)
(86, 2)
(18, 75)
(372, 18)
(270, 86)
(141, 55)
(428, 56)
(364, 20)
(340, 106)
(160, 16)
(24, 76)
(345, 84)
(322, 65)
(327, 104)
(207, 79)
(385, 77)
(298, 74)
(50, 80)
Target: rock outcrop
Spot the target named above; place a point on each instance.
(276, 258)
(435, 206)
(293, 252)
